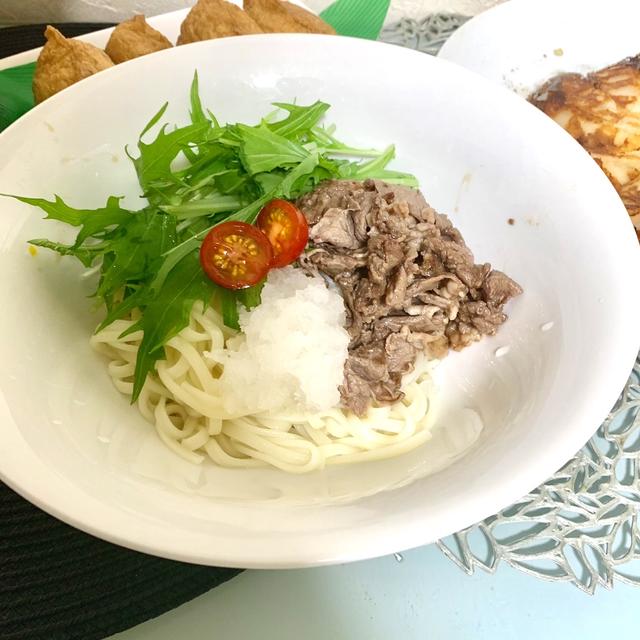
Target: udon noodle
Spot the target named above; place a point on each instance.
(183, 400)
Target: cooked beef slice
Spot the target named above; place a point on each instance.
(409, 282)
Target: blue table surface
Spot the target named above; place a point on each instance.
(422, 597)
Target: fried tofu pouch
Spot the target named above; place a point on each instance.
(63, 62)
(277, 16)
(211, 19)
(134, 38)
(601, 111)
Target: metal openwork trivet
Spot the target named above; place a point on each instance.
(583, 525)
(427, 35)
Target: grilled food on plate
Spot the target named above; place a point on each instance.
(64, 61)
(601, 111)
(211, 19)
(134, 38)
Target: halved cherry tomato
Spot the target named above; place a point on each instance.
(236, 255)
(287, 229)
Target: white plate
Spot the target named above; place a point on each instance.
(73, 445)
(167, 23)
(522, 43)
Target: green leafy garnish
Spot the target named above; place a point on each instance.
(194, 177)
(168, 313)
(229, 309)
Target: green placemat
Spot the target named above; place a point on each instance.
(16, 96)
(357, 18)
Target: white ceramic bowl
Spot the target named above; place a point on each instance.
(72, 445)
